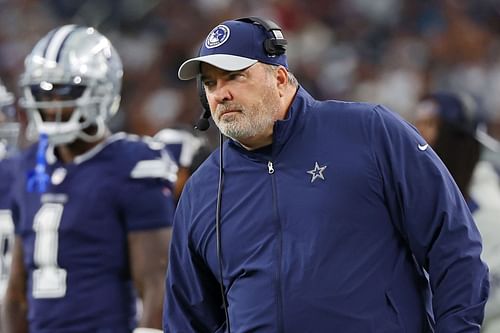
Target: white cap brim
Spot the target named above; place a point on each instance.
(190, 68)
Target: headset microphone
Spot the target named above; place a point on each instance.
(203, 124)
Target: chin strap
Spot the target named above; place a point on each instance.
(100, 132)
(38, 179)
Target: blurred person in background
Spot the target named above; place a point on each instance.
(188, 150)
(313, 216)
(9, 130)
(92, 218)
(451, 123)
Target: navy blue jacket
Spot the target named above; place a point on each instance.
(332, 229)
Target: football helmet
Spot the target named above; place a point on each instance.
(9, 125)
(72, 67)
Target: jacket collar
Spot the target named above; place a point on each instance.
(283, 129)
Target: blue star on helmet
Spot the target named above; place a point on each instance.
(317, 172)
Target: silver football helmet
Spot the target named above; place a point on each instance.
(71, 67)
(9, 125)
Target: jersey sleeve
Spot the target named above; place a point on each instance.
(145, 197)
(12, 194)
(428, 209)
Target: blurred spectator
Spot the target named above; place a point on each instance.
(449, 122)
(401, 50)
(444, 121)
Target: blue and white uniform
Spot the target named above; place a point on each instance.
(75, 234)
(6, 224)
(328, 229)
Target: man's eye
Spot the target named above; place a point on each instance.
(208, 84)
(234, 76)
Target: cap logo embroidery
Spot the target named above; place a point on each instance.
(218, 36)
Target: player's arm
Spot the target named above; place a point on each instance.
(15, 304)
(148, 261)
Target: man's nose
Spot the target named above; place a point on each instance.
(222, 92)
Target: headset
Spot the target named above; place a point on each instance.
(274, 45)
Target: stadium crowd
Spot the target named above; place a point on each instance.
(387, 51)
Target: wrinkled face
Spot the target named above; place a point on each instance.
(244, 104)
(427, 121)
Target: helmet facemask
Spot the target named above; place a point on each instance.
(89, 111)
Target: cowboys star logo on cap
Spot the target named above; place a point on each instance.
(233, 46)
(218, 36)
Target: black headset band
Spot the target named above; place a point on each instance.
(276, 43)
(267, 24)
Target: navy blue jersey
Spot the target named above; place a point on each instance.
(6, 224)
(75, 234)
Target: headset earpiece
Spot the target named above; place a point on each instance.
(203, 123)
(202, 94)
(275, 44)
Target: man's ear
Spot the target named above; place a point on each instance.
(282, 78)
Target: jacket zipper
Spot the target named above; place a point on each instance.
(270, 167)
(279, 293)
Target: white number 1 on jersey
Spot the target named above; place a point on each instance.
(6, 241)
(49, 280)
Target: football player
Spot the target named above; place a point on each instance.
(9, 128)
(93, 216)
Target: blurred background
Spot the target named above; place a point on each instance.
(381, 51)
(392, 52)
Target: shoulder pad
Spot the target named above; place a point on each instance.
(163, 167)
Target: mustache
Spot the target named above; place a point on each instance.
(226, 107)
